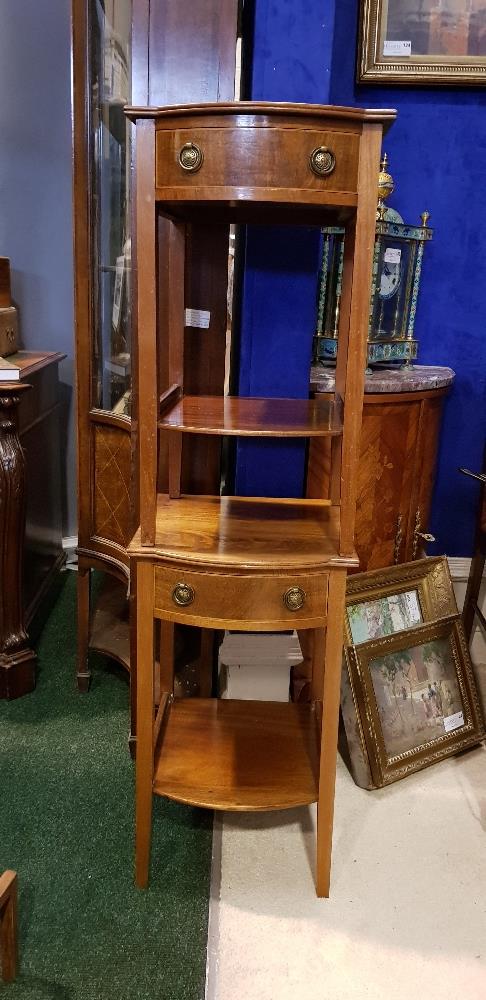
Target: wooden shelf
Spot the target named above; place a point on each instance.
(224, 210)
(245, 533)
(110, 627)
(239, 755)
(254, 417)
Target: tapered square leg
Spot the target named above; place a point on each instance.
(329, 653)
(83, 674)
(145, 720)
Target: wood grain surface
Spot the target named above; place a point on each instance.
(233, 555)
(399, 443)
(264, 114)
(245, 533)
(253, 417)
(8, 925)
(255, 157)
(245, 602)
(239, 755)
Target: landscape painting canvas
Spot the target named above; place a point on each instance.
(417, 695)
(384, 616)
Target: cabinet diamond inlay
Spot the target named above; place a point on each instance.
(112, 510)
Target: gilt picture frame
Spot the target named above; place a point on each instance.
(381, 603)
(424, 42)
(416, 698)
(385, 601)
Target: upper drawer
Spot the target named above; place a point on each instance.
(254, 159)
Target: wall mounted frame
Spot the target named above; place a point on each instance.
(440, 43)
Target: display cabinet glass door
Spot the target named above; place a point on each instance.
(110, 154)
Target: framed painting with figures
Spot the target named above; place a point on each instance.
(384, 608)
(417, 697)
(422, 42)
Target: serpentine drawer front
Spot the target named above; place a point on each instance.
(247, 602)
(254, 158)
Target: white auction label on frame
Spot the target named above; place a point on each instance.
(391, 48)
(452, 722)
(392, 255)
(198, 318)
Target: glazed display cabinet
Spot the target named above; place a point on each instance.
(102, 75)
(126, 51)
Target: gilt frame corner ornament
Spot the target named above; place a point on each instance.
(443, 46)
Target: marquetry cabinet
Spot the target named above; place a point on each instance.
(148, 51)
(400, 434)
(247, 563)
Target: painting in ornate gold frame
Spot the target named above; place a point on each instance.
(422, 42)
(417, 698)
(383, 601)
(384, 608)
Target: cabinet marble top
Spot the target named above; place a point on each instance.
(415, 378)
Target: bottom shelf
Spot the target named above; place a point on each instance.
(110, 626)
(239, 755)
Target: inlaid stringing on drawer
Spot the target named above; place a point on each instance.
(257, 157)
(237, 600)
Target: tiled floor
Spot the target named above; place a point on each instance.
(407, 913)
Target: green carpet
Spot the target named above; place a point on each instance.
(66, 827)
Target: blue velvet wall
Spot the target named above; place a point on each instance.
(437, 151)
(292, 44)
(305, 51)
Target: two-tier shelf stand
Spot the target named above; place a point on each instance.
(224, 562)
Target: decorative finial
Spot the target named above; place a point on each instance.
(385, 187)
(425, 217)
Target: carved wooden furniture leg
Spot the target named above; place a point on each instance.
(8, 925)
(329, 732)
(83, 673)
(145, 719)
(17, 660)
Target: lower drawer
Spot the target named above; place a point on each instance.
(256, 603)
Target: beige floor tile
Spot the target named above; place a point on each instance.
(407, 915)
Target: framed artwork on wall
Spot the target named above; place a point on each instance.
(422, 42)
(417, 697)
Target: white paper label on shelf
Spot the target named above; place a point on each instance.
(392, 255)
(198, 318)
(392, 48)
(452, 722)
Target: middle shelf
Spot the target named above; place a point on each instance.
(245, 533)
(253, 417)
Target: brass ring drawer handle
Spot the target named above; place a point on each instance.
(190, 157)
(183, 594)
(322, 161)
(294, 598)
